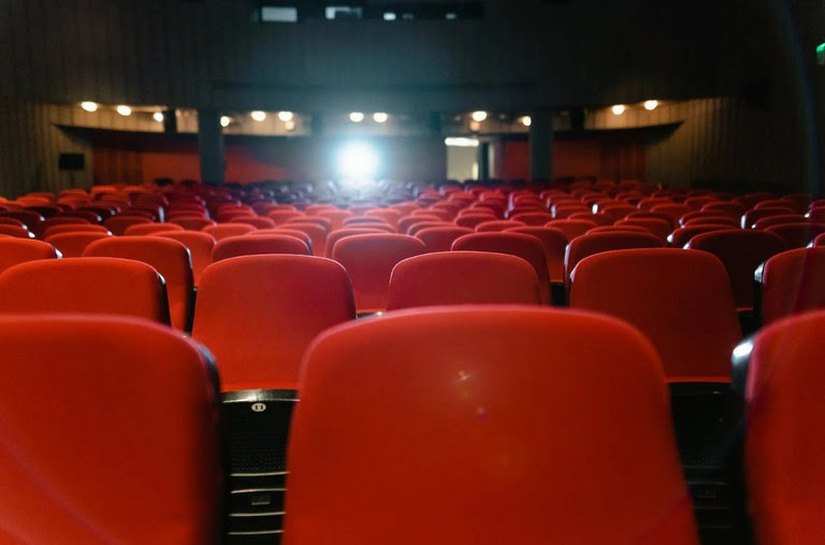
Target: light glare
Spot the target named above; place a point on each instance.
(618, 109)
(356, 117)
(526, 120)
(225, 121)
(357, 162)
(158, 116)
(124, 110)
(651, 105)
(258, 115)
(479, 116)
(89, 106)
(461, 142)
(380, 117)
(285, 116)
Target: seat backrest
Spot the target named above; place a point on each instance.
(741, 251)
(681, 235)
(258, 313)
(784, 442)
(118, 224)
(14, 251)
(15, 231)
(224, 230)
(73, 244)
(193, 223)
(102, 285)
(681, 300)
(791, 282)
(572, 228)
(441, 407)
(150, 228)
(99, 406)
(455, 278)
(494, 226)
(338, 234)
(268, 244)
(73, 228)
(169, 257)
(440, 239)
(317, 233)
(369, 260)
(554, 242)
(797, 235)
(594, 243)
(520, 245)
(200, 247)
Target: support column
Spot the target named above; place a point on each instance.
(211, 147)
(484, 161)
(541, 145)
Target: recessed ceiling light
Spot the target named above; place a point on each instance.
(618, 109)
(479, 116)
(158, 116)
(258, 115)
(89, 106)
(380, 117)
(124, 110)
(356, 117)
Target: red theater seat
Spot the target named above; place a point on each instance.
(741, 251)
(784, 436)
(73, 244)
(594, 243)
(269, 244)
(200, 247)
(440, 239)
(169, 257)
(455, 278)
(224, 230)
(100, 285)
(150, 228)
(369, 260)
(448, 426)
(797, 235)
(526, 247)
(110, 433)
(792, 282)
(14, 251)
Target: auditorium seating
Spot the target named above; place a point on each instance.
(74, 243)
(799, 234)
(110, 433)
(223, 230)
(782, 379)
(74, 228)
(200, 247)
(791, 282)
(462, 277)
(14, 251)
(369, 260)
(101, 285)
(257, 314)
(440, 239)
(169, 257)
(526, 247)
(270, 244)
(149, 228)
(569, 442)
(593, 243)
(682, 301)
(741, 251)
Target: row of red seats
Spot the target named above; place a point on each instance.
(407, 431)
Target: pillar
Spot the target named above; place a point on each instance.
(541, 145)
(211, 147)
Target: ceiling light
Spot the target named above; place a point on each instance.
(526, 120)
(356, 117)
(158, 116)
(380, 117)
(651, 105)
(285, 116)
(479, 116)
(618, 109)
(258, 115)
(225, 120)
(390, 16)
(124, 110)
(461, 142)
(89, 106)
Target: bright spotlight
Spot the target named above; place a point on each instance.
(357, 162)
(380, 117)
(124, 110)
(618, 109)
(479, 116)
(356, 117)
(89, 106)
(258, 115)
(285, 116)
(158, 116)
(526, 120)
(651, 105)
(225, 121)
